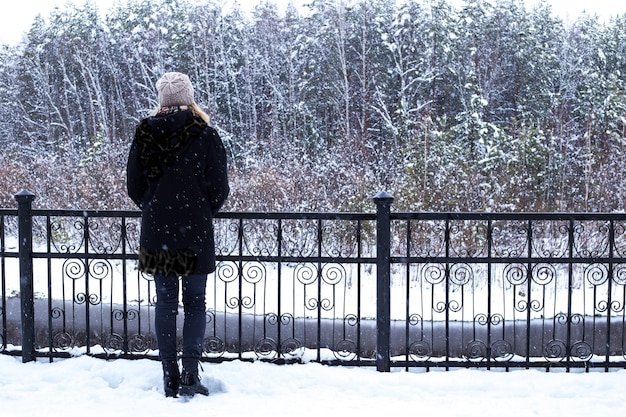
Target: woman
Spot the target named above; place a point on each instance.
(177, 176)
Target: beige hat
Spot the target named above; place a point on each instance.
(175, 89)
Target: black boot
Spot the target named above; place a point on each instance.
(171, 378)
(190, 384)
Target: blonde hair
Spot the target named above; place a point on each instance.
(196, 110)
(200, 113)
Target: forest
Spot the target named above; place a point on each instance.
(490, 106)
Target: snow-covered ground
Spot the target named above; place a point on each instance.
(88, 386)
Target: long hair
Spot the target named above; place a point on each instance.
(193, 107)
(200, 113)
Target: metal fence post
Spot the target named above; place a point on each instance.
(25, 231)
(383, 202)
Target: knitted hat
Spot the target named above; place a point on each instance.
(175, 89)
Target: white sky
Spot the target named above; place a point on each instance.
(16, 16)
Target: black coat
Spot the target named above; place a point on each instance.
(177, 176)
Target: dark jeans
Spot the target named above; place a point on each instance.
(194, 305)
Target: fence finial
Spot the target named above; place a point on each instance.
(383, 197)
(24, 195)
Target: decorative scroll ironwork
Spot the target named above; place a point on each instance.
(345, 350)
(535, 288)
(339, 239)
(509, 239)
(550, 239)
(420, 351)
(467, 239)
(619, 239)
(66, 235)
(466, 288)
(85, 234)
(300, 237)
(91, 289)
(291, 348)
(591, 239)
(260, 238)
(214, 346)
(502, 350)
(427, 239)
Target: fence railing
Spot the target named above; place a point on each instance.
(384, 289)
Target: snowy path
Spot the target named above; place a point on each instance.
(85, 385)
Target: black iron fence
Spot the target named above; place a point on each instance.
(410, 290)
